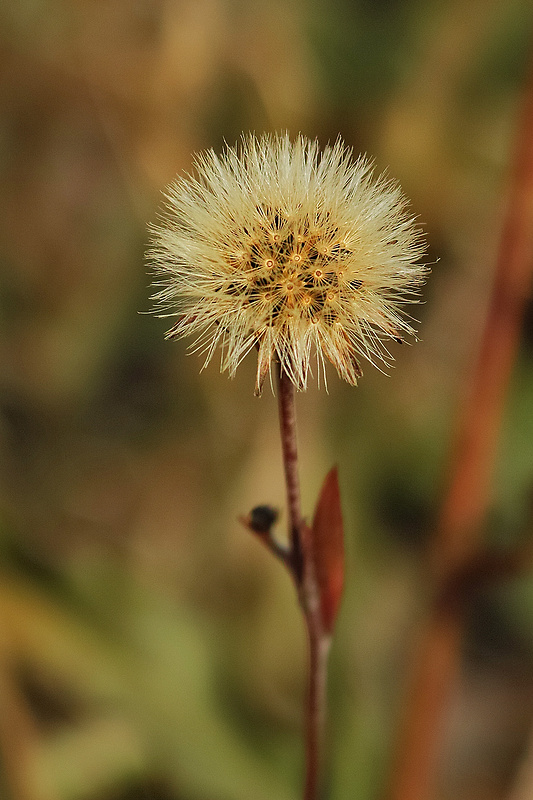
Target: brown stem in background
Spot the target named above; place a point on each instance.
(457, 543)
(18, 740)
(302, 564)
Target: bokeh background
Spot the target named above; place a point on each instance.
(150, 649)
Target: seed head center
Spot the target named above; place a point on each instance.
(293, 266)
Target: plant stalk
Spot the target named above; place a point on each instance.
(287, 421)
(458, 546)
(315, 712)
(303, 568)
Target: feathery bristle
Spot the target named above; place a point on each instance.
(279, 247)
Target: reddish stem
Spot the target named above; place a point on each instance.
(287, 422)
(315, 705)
(302, 565)
(457, 547)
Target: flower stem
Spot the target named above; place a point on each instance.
(303, 569)
(287, 421)
(315, 704)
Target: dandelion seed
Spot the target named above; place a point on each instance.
(296, 253)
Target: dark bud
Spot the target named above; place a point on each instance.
(262, 518)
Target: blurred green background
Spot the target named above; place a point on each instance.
(150, 649)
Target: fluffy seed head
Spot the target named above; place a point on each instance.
(277, 247)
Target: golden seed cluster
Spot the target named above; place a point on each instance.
(290, 251)
(294, 267)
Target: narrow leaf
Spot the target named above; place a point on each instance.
(327, 535)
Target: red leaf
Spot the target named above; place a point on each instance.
(327, 544)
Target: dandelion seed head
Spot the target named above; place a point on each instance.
(296, 253)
